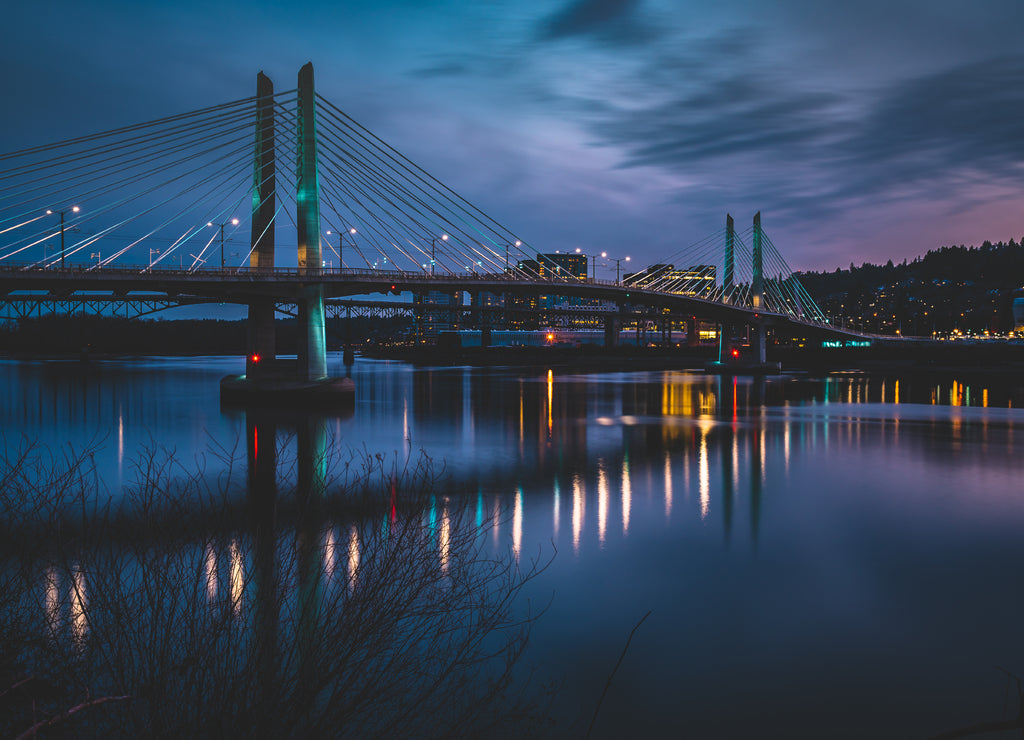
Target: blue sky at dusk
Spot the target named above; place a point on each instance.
(861, 131)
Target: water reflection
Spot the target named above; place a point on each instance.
(727, 470)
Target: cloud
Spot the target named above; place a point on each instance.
(755, 134)
(615, 21)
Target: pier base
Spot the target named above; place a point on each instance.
(242, 390)
(743, 368)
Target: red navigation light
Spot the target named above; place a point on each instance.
(255, 359)
(735, 353)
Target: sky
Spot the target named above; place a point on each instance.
(862, 131)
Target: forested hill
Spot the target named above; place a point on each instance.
(948, 289)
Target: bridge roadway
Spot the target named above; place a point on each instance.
(245, 285)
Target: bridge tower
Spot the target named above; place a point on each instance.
(727, 273)
(757, 289)
(261, 338)
(312, 327)
(305, 380)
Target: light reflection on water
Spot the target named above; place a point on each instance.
(845, 535)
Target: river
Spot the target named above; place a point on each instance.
(832, 556)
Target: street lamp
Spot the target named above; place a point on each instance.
(517, 245)
(618, 265)
(433, 246)
(151, 253)
(341, 243)
(74, 209)
(233, 222)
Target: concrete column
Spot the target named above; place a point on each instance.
(312, 334)
(312, 327)
(261, 344)
(261, 337)
(757, 289)
(724, 343)
(611, 332)
(264, 199)
(308, 185)
(760, 342)
(692, 333)
(730, 243)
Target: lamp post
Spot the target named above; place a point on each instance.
(433, 246)
(151, 253)
(233, 222)
(618, 266)
(517, 245)
(341, 244)
(74, 209)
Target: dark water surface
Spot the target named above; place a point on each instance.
(820, 557)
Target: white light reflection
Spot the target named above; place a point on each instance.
(406, 432)
(517, 523)
(496, 517)
(785, 444)
(353, 556)
(668, 485)
(557, 507)
(120, 442)
(79, 601)
(444, 539)
(236, 579)
(735, 472)
(52, 599)
(330, 553)
(703, 475)
(210, 569)
(602, 501)
(578, 504)
(627, 496)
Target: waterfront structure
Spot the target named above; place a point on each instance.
(416, 237)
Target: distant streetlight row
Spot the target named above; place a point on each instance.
(443, 238)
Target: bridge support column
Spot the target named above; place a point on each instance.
(312, 326)
(692, 332)
(312, 334)
(727, 273)
(611, 332)
(759, 342)
(757, 286)
(261, 335)
(724, 345)
(261, 344)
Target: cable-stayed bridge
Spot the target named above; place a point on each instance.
(282, 198)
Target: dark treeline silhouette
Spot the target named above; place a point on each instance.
(969, 289)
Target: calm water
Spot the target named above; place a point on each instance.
(834, 557)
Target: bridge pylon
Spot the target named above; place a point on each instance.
(267, 379)
(261, 344)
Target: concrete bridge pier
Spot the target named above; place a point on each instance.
(692, 332)
(312, 334)
(611, 332)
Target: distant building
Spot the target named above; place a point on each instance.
(434, 320)
(698, 280)
(1018, 311)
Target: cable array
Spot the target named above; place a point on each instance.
(168, 194)
(144, 195)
